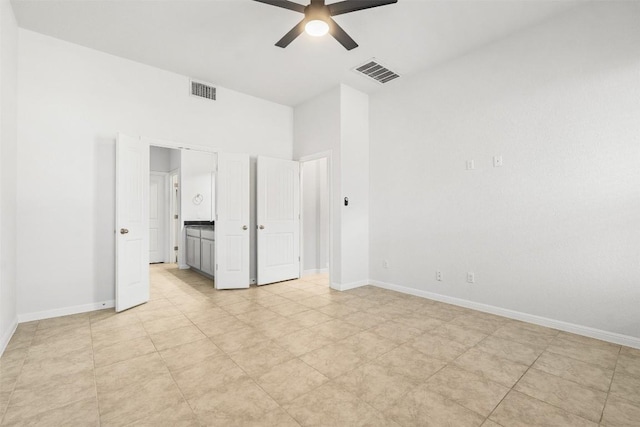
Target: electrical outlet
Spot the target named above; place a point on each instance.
(470, 165)
(497, 161)
(471, 277)
(439, 276)
(385, 263)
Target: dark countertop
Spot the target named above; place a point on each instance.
(199, 223)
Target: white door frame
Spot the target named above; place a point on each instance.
(321, 155)
(174, 240)
(165, 143)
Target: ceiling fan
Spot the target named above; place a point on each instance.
(318, 19)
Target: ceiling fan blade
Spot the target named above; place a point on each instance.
(353, 5)
(341, 35)
(291, 35)
(284, 4)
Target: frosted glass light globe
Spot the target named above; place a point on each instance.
(316, 28)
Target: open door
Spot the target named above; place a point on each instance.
(278, 203)
(232, 222)
(132, 222)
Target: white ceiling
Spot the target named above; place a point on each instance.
(231, 42)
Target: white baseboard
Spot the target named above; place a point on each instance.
(314, 271)
(6, 336)
(586, 331)
(183, 267)
(347, 286)
(65, 311)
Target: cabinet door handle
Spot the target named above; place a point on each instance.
(262, 227)
(123, 231)
(244, 227)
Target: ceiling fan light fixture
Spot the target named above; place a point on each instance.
(318, 18)
(316, 28)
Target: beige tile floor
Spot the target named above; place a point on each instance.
(298, 353)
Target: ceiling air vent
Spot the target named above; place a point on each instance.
(376, 71)
(203, 90)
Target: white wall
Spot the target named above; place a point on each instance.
(175, 157)
(339, 121)
(354, 154)
(196, 176)
(8, 144)
(72, 102)
(552, 233)
(160, 159)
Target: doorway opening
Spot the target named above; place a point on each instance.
(181, 210)
(164, 207)
(316, 220)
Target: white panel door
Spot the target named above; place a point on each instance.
(157, 217)
(232, 222)
(132, 222)
(278, 203)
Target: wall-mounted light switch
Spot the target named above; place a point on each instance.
(497, 161)
(439, 276)
(471, 278)
(470, 165)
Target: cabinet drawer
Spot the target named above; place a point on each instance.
(193, 232)
(207, 234)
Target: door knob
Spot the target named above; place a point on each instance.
(262, 227)
(123, 231)
(244, 227)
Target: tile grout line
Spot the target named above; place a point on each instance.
(546, 350)
(226, 355)
(167, 368)
(95, 382)
(516, 383)
(613, 375)
(540, 400)
(329, 380)
(13, 389)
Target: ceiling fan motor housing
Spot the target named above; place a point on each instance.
(316, 10)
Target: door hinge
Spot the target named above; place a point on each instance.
(175, 248)
(298, 258)
(175, 185)
(175, 216)
(216, 267)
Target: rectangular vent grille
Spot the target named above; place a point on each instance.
(203, 90)
(377, 72)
